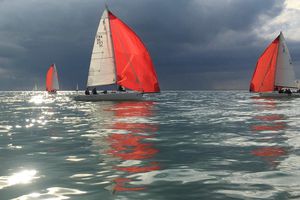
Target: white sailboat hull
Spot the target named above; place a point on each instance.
(279, 95)
(117, 96)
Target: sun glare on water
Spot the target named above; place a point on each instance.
(38, 99)
(41, 99)
(23, 177)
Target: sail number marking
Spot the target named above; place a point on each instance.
(99, 40)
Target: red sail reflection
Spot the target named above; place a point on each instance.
(270, 122)
(265, 103)
(132, 145)
(273, 126)
(277, 126)
(269, 152)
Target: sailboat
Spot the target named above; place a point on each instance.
(119, 58)
(274, 75)
(52, 80)
(77, 88)
(35, 88)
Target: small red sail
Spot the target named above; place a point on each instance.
(49, 78)
(134, 66)
(263, 79)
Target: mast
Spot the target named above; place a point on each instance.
(112, 42)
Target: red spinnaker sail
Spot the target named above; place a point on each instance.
(134, 66)
(49, 78)
(263, 79)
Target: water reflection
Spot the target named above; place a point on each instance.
(22, 177)
(128, 148)
(269, 128)
(55, 193)
(270, 123)
(39, 98)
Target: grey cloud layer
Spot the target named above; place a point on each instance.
(204, 43)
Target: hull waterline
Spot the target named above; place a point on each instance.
(279, 95)
(126, 96)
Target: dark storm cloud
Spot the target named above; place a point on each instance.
(203, 43)
(195, 37)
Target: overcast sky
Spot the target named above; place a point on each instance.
(194, 44)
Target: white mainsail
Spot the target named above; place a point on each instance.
(55, 79)
(285, 75)
(102, 66)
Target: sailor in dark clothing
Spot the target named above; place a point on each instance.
(121, 88)
(94, 91)
(87, 92)
(281, 91)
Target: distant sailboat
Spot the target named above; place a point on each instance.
(119, 57)
(35, 87)
(52, 80)
(274, 74)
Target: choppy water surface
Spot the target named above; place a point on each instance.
(175, 145)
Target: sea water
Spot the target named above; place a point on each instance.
(174, 145)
